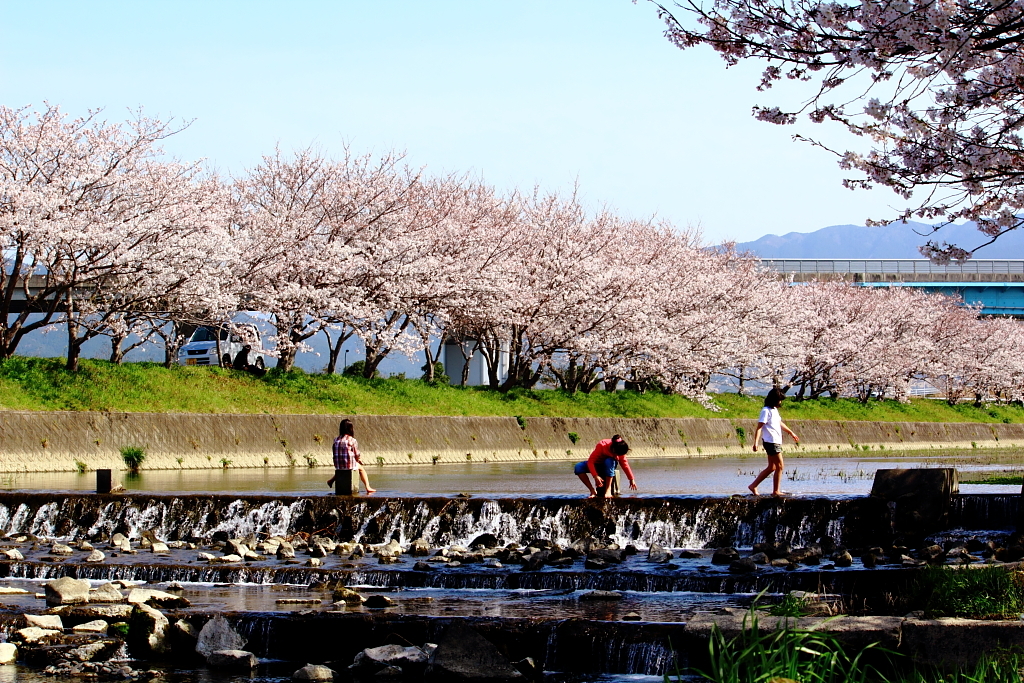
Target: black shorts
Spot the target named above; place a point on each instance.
(772, 448)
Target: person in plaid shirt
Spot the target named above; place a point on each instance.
(346, 455)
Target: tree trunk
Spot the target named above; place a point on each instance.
(116, 350)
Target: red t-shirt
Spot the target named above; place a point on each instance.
(603, 449)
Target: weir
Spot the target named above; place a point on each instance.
(529, 608)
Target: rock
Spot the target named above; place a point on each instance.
(96, 651)
(10, 590)
(206, 557)
(285, 551)
(420, 548)
(61, 549)
(318, 550)
(485, 541)
(317, 562)
(631, 616)
(464, 654)
(31, 635)
(689, 555)
(843, 558)
(933, 554)
(389, 673)
(601, 595)
(109, 613)
(148, 596)
(536, 561)
(96, 626)
(67, 591)
(217, 634)
(411, 660)
(658, 554)
(608, 555)
(922, 497)
(96, 556)
(235, 546)
(348, 596)
(148, 632)
(50, 621)
(422, 567)
(725, 556)
(378, 602)
(232, 659)
(184, 635)
(743, 565)
(8, 653)
(107, 593)
(160, 548)
(116, 540)
(594, 564)
(759, 558)
(12, 554)
(390, 549)
(226, 559)
(314, 672)
(870, 560)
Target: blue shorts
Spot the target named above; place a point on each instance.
(605, 467)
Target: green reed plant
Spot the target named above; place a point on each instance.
(133, 457)
(978, 592)
(760, 655)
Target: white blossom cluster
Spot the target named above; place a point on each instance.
(103, 236)
(933, 87)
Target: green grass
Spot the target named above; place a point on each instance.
(44, 384)
(1007, 478)
(979, 593)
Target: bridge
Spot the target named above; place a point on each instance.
(996, 285)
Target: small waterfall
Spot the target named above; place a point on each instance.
(985, 511)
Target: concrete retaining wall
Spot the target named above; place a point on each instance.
(56, 441)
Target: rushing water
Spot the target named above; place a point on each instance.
(804, 475)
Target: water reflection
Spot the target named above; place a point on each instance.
(849, 475)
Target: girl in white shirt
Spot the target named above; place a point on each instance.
(769, 429)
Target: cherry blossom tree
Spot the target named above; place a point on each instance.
(932, 87)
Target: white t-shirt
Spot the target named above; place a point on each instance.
(772, 430)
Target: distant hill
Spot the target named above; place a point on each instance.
(895, 241)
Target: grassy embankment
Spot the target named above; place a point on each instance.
(43, 384)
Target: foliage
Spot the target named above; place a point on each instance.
(976, 592)
(759, 655)
(926, 84)
(574, 437)
(789, 606)
(358, 369)
(992, 479)
(44, 384)
(133, 457)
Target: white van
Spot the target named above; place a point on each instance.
(202, 347)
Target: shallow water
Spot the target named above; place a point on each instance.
(804, 475)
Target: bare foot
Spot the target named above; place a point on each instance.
(330, 483)
(753, 490)
(779, 494)
(592, 495)
(369, 491)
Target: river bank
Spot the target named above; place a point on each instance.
(34, 441)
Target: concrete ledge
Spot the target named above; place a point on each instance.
(54, 441)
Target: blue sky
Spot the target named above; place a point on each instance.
(523, 93)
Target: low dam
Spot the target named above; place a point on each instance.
(623, 586)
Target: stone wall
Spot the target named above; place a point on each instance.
(56, 441)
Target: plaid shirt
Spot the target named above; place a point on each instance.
(346, 453)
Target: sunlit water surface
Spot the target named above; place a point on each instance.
(715, 476)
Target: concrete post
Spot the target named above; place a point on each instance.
(102, 481)
(346, 482)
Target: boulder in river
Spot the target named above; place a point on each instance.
(148, 632)
(658, 554)
(239, 660)
(217, 634)
(67, 591)
(8, 653)
(411, 660)
(725, 556)
(314, 672)
(463, 654)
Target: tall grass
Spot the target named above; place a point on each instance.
(787, 654)
(44, 384)
(981, 592)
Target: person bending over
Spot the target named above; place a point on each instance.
(607, 455)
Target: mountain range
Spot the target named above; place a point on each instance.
(899, 240)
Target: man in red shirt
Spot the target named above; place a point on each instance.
(608, 453)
